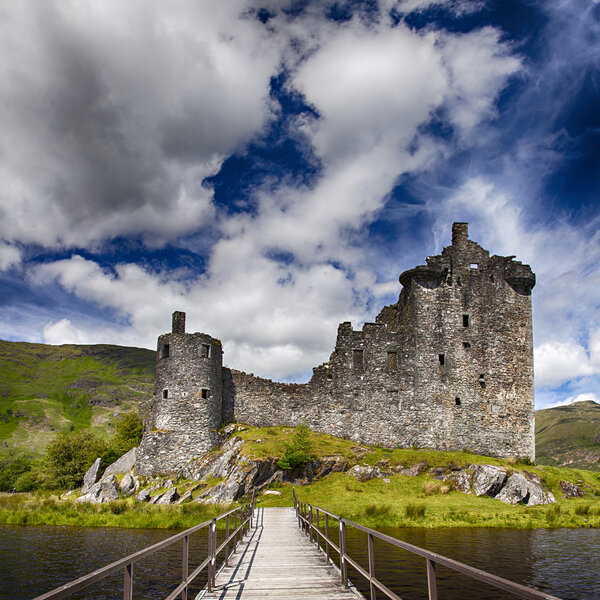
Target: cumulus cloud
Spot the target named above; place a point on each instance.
(113, 114)
(277, 281)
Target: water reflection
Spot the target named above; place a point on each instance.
(561, 562)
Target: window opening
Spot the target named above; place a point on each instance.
(442, 359)
(165, 393)
(474, 266)
(205, 351)
(205, 394)
(466, 321)
(164, 351)
(392, 361)
(466, 345)
(457, 401)
(358, 360)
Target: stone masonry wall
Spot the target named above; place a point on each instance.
(448, 367)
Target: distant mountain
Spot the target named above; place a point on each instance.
(569, 436)
(44, 389)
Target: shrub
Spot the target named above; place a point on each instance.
(11, 470)
(415, 511)
(299, 451)
(27, 482)
(128, 432)
(69, 456)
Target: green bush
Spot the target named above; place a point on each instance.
(299, 451)
(28, 481)
(11, 470)
(69, 456)
(128, 432)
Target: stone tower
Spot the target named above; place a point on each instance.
(473, 370)
(187, 404)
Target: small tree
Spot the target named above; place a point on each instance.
(128, 432)
(298, 451)
(69, 456)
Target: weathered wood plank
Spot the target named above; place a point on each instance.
(276, 560)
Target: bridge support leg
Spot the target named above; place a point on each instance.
(185, 565)
(128, 582)
(343, 565)
(431, 581)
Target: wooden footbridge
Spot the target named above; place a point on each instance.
(298, 552)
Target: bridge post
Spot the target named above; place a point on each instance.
(318, 530)
(212, 545)
(371, 550)
(235, 533)
(431, 581)
(327, 537)
(184, 565)
(128, 582)
(227, 542)
(343, 565)
(310, 523)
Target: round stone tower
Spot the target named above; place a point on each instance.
(187, 405)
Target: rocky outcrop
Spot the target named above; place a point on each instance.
(570, 490)
(488, 480)
(169, 497)
(525, 489)
(129, 485)
(102, 491)
(122, 465)
(91, 476)
(363, 472)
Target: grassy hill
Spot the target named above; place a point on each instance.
(569, 436)
(44, 389)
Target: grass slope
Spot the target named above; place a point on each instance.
(422, 501)
(569, 436)
(44, 389)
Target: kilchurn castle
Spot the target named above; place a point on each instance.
(449, 367)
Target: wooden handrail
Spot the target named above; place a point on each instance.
(305, 513)
(245, 513)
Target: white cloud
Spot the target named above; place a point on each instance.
(10, 256)
(373, 86)
(113, 113)
(557, 362)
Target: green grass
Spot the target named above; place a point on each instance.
(45, 389)
(44, 508)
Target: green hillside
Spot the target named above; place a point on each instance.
(569, 436)
(44, 389)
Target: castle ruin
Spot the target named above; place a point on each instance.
(448, 367)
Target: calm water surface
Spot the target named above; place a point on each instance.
(562, 562)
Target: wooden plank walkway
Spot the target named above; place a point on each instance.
(276, 560)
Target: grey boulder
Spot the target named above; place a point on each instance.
(91, 476)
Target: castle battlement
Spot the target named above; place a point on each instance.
(449, 366)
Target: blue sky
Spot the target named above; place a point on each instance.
(271, 167)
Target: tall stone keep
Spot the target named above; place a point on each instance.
(449, 366)
(187, 403)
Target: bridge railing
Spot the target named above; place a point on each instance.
(311, 518)
(237, 522)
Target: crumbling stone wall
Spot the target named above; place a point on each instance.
(448, 367)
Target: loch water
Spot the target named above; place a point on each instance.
(562, 562)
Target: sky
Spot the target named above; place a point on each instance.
(270, 168)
